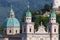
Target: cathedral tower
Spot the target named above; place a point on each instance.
(11, 25)
(53, 26)
(28, 26)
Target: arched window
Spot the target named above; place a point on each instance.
(52, 19)
(27, 18)
(9, 31)
(30, 29)
(54, 30)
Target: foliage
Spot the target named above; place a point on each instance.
(36, 12)
(37, 21)
(46, 8)
(23, 18)
(1, 29)
(58, 18)
(40, 19)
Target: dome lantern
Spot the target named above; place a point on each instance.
(12, 12)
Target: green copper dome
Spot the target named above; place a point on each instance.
(28, 14)
(11, 22)
(53, 15)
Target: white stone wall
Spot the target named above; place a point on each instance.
(13, 31)
(41, 29)
(55, 37)
(27, 27)
(53, 20)
(5, 38)
(55, 27)
(56, 4)
(38, 37)
(28, 19)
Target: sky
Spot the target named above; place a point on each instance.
(20, 7)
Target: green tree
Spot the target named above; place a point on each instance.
(37, 21)
(45, 20)
(46, 8)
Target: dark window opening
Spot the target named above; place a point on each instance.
(10, 31)
(27, 18)
(30, 29)
(52, 19)
(54, 30)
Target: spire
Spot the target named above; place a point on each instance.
(28, 6)
(28, 13)
(12, 12)
(11, 9)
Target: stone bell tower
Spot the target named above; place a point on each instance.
(53, 26)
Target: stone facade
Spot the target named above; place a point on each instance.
(49, 33)
(12, 31)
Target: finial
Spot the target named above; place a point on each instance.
(28, 6)
(11, 5)
(11, 8)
